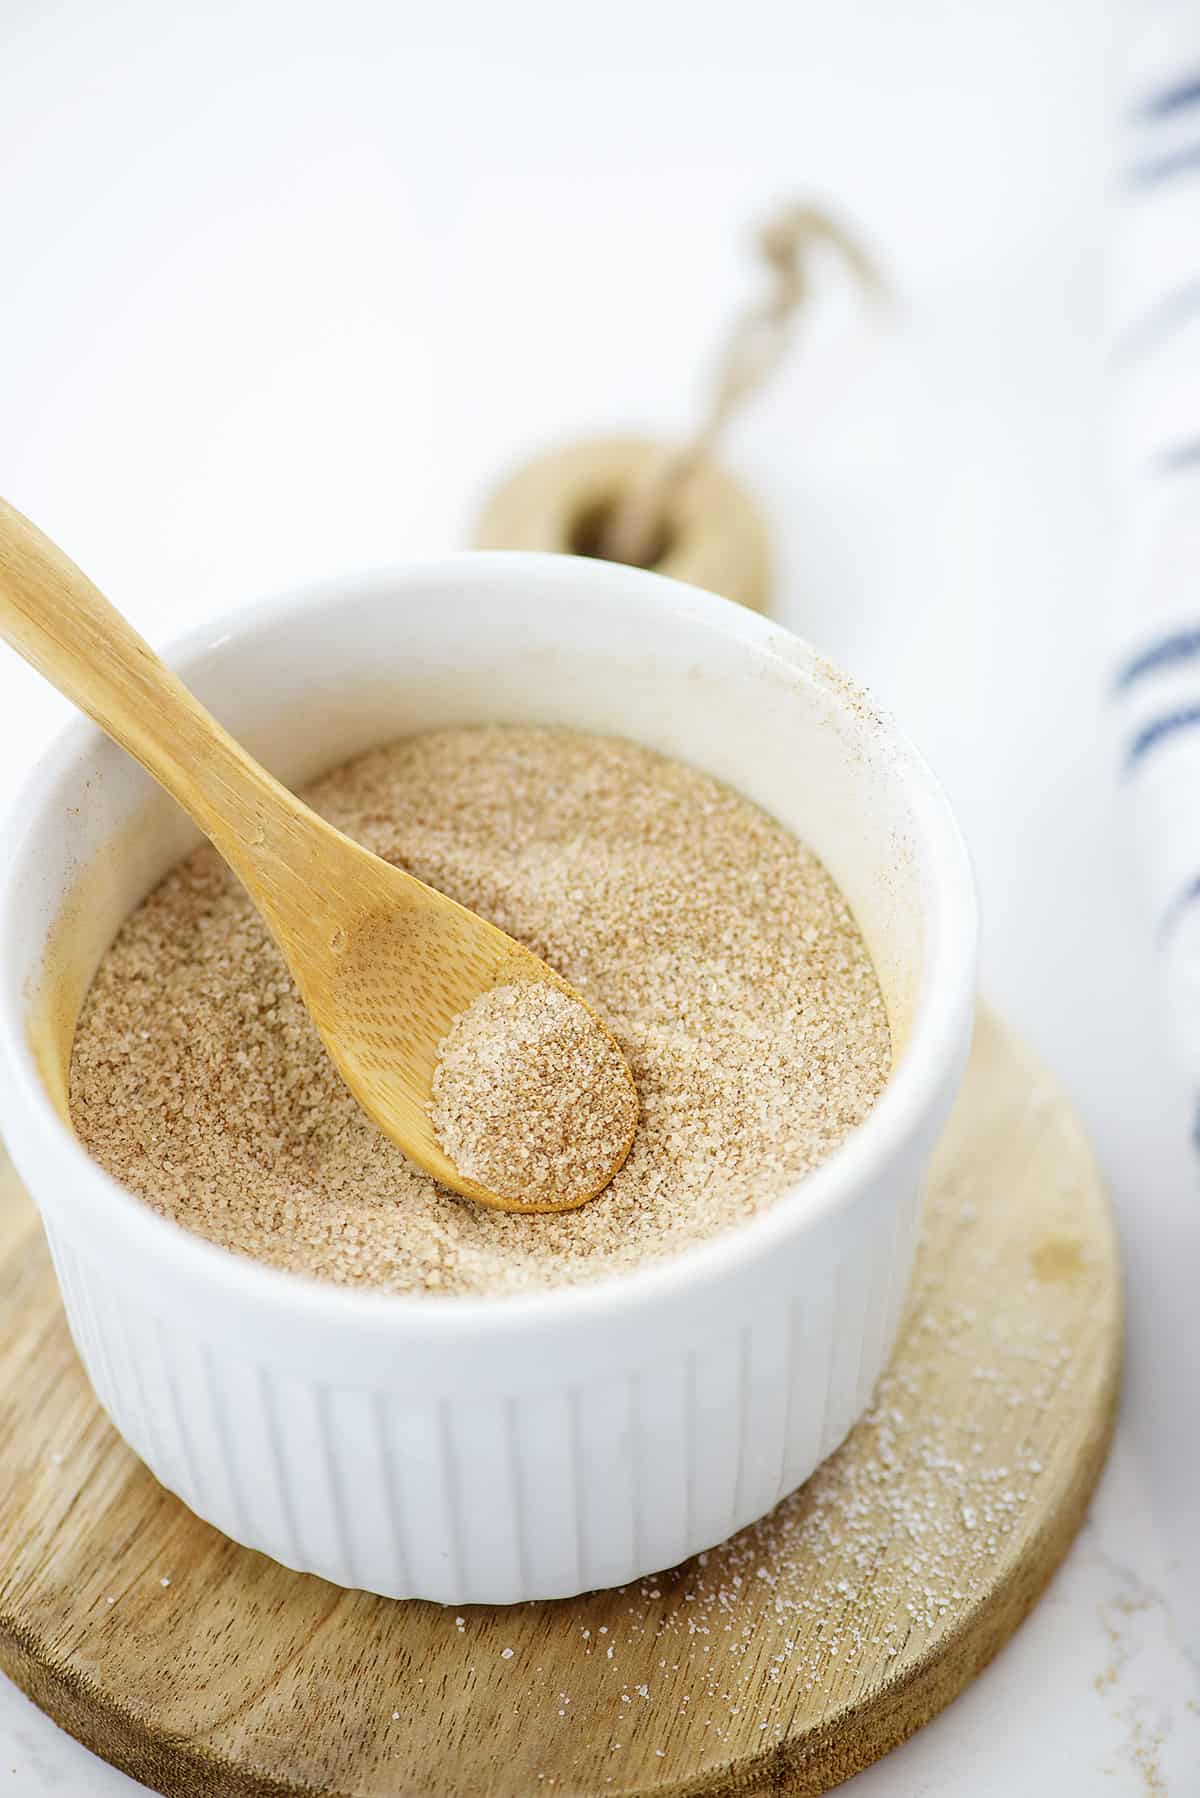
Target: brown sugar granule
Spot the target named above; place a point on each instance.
(531, 1097)
(712, 942)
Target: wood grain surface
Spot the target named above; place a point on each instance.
(782, 1662)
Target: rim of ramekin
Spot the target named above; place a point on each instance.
(942, 1014)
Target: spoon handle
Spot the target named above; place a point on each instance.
(54, 617)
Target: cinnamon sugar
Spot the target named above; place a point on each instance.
(711, 941)
(531, 1096)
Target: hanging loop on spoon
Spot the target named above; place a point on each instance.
(671, 507)
(754, 350)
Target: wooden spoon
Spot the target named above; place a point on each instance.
(383, 962)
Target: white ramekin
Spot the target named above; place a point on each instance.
(491, 1450)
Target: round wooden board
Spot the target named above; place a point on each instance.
(784, 1661)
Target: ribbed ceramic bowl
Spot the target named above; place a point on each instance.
(490, 1450)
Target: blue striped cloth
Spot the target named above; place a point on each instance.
(1156, 281)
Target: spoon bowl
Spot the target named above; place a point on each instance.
(385, 985)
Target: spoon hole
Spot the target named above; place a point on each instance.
(589, 528)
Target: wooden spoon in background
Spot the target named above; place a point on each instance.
(383, 962)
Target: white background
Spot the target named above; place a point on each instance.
(284, 288)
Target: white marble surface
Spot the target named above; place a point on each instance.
(286, 287)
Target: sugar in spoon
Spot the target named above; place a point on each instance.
(384, 964)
